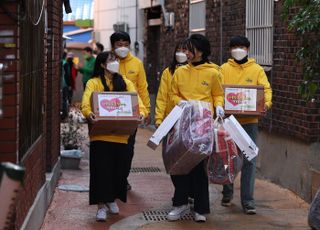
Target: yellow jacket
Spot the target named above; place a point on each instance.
(163, 103)
(95, 85)
(201, 82)
(133, 69)
(249, 73)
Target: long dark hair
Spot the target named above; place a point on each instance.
(201, 43)
(173, 64)
(117, 80)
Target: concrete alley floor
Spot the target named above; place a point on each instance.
(150, 200)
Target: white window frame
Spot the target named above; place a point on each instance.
(259, 30)
(200, 25)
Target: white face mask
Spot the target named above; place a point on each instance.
(239, 53)
(181, 57)
(122, 51)
(113, 67)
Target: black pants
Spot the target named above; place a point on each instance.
(108, 170)
(195, 183)
(131, 142)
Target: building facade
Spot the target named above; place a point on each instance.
(31, 48)
(290, 132)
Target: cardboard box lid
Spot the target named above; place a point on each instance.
(115, 105)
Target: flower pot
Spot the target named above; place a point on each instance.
(70, 159)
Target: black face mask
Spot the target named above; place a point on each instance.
(95, 52)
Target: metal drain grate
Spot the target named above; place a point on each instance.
(161, 215)
(145, 170)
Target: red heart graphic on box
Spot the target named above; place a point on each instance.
(236, 98)
(110, 105)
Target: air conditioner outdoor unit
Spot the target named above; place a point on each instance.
(121, 26)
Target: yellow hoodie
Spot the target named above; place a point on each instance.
(249, 73)
(95, 85)
(133, 69)
(163, 102)
(201, 82)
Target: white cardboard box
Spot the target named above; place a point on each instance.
(165, 127)
(241, 138)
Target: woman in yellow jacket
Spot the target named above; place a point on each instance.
(198, 80)
(109, 157)
(163, 105)
(241, 70)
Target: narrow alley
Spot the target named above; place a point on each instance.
(149, 201)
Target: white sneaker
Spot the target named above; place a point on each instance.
(101, 214)
(199, 217)
(177, 212)
(113, 207)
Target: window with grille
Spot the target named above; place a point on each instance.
(197, 17)
(259, 30)
(31, 76)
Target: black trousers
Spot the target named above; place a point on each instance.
(195, 183)
(108, 172)
(131, 142)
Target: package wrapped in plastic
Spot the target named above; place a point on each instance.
(314, 212)
(191, 139)
(225, 162)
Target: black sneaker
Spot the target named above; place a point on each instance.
(249, 209)
(226, 201)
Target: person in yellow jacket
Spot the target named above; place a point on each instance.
(132, 68)
(241, 70)
(198, 80)
(163, 105)
(109, 157)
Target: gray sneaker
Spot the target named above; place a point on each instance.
(249, 209)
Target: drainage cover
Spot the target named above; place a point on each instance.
(73, 187)
(161, 215)
(145, 170)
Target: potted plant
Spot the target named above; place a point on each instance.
(72, 137)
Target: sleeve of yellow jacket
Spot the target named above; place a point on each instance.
(142, 87)
(217, 90)
(162, 97)
(175, 99)
(130, 88)
(91, 86)
(263, 80)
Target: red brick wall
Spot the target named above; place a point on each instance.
(44, 153)
(290, 115)
(8, 123)
(54, 49)
(233, 23)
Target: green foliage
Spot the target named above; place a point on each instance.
(84, 22)
(306, 23)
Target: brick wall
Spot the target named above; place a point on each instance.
(43, 154)
(8, 56)
(290, 115)
(53, 60)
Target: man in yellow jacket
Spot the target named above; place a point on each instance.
(241, 70)
(132, 68)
